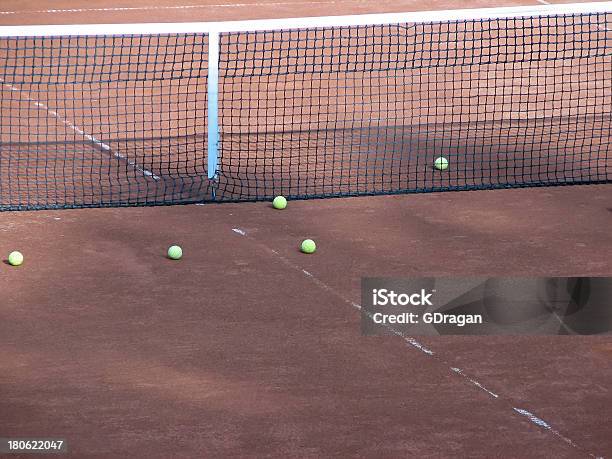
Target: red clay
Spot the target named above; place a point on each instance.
(234, 351)
(101, 12)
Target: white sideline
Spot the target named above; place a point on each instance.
(118, 9)
(306, 22)
(501, 398)
(79, 131)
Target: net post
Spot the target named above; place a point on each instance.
(213, 105)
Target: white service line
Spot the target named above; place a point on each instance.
(545, 425)
(537, 421)
(177, 7)
(79, 131)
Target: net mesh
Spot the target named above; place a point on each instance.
(331, 111)
(102, 121)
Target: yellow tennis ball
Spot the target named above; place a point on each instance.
(441, 163)
(279, 202)
(308, 246)
(15, 258)
(175, 252)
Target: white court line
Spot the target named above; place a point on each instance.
(191, 7)
(545, 425)
(79, 131)
(535, 420)
(181, 7)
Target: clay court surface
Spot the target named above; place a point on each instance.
(248, 348)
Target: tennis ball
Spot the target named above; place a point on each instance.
(279, 202)
(441, 163)
(308, 246)
(175, 252)
(15, 258)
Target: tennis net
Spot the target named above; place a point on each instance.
(312, 107)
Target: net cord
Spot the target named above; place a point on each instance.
(306, 22)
